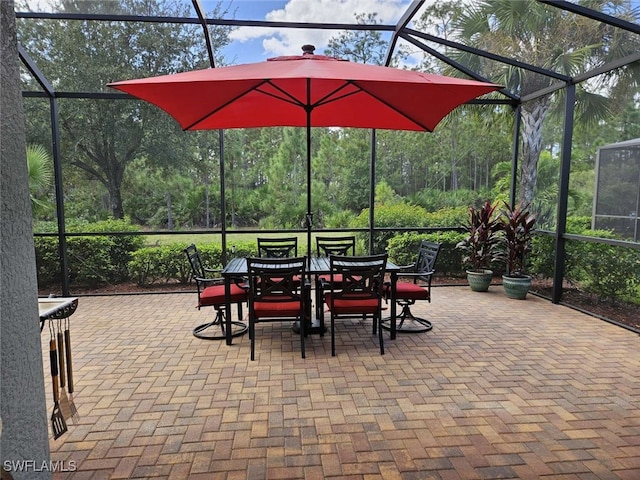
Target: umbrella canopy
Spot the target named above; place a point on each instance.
(306, 90)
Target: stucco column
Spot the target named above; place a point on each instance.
(22, 393)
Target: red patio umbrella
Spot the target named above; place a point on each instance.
(306, 91)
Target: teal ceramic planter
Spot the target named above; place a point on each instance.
(479, 280)
(516, 287)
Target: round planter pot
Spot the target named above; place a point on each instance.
(479, 280)
(516, 287)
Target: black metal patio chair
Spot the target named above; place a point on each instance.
(360, 294)
(211, 293)
(278, 247)
(420, 274)
(276, 294)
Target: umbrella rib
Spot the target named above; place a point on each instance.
(287, 96)
(328, 98)
(230, 101)
(392, 107)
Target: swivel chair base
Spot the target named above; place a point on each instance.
(237, 329)
(406, 322)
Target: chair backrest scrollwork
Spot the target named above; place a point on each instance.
(362, 276)
(195, 261)
(427, 256)
(278, 247)
(326, 246)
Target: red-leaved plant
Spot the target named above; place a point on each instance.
(518, 224)
(482, 246)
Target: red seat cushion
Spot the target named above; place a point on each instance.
(353, 305)
(409, 291)
(281, 308)
(214, 295)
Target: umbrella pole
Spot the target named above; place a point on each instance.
(315, 325)
(223, 206)
(309, 219)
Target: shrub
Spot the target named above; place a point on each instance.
(122, 246)
(541, 261)
(606, 270)
(388, 216)
(341, 219)
(169, 263)
(90, 261)
(403, 215)
(47, 261)
(451, 217)
(578, 225)
(93, 260)
(449, 259)
(403, 250)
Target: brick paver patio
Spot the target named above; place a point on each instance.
(499, 388)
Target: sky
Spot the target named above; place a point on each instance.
(253, 44)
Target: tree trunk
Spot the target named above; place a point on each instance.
(115, 200)
(207, 201)
(454, 170)
(533, 115)
(170, 224)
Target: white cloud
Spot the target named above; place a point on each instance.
(288, 41)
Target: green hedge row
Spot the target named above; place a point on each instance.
(169, 263)
(401, 215)
(93, 260)
(403, 250)
(605, 270)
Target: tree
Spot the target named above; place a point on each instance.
(550, 38)
(287, 179)
(362, 46)
(102, 137)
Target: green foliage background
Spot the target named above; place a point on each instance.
(126, 159)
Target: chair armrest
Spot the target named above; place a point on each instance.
(424, 276)
(208, 280)
(239, 281)
(411, 266)
(416, 274)
(212, 270)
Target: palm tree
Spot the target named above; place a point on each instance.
(40, 170)
(547, 37)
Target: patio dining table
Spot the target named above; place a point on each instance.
(237, 267)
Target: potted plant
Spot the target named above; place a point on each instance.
(482, 246)
(518, 224)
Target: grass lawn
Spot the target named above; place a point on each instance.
(232, 238)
